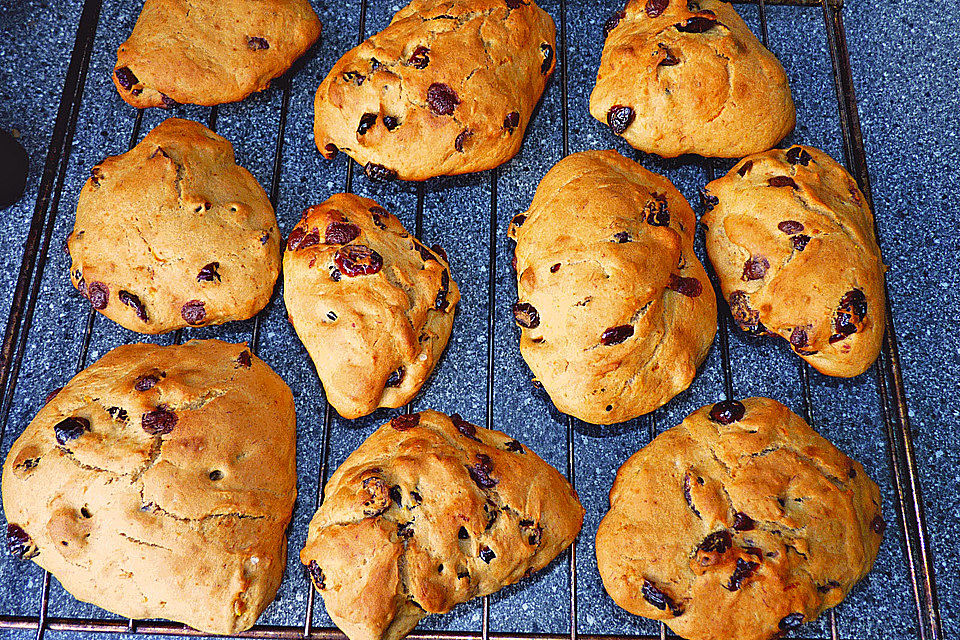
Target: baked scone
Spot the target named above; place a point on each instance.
(679, 76)
(616, 312)
(429, 512)
(173, 233)
(158, 484)
(792, 240)
(447, 88)
(211, 51)
(373, 306)
(742, 522)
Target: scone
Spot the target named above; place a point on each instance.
(680, 76)
(430, 512)
(742, 523)
(173, 234)
(211, 51)
(373, 306)
(791, 238)
(158, 484)
(447, 88)
(615, 311)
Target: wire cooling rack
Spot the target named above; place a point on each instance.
(910, 566)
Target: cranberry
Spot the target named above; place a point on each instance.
(458, 143)
(244, 359)
(437, 249)
(782, 181)
(378, 214)
(744, 168)
(800, 241)
(257, 44)
(117, 413)
(330, 151)
(514, 446)
(519, 219)
(743, 522)
(613, 21)
(658, 598)
(746, 318)
(390, 123)
(209, 272)
(852, 311)
(741, 572)
(486, 553)
(878, 525)
(19, 543)
(379, 173)
(716, 542)
(158, 422)
(395, 378)
(354, 76)
(441, 303)
(464, 427)
(791, 621)
(654, 9)
(798, 155)
(145, 382)
(511, 121)
(168, 102)
(799, 338)
(790, 227)
(655, 211)
(379, 496)
(686, 493)
(131, 300)
(463, 534)
(295, 238)
(515, 4)
(689, 287)
(98, 294)
(316, 575)
(405, 421)
(125, 77)
(556, 267)
(419, 58)
(480, 472)
(616, 335)
(442, 99)
(526, 315)
(193, 312)
(619, 118)
(357, 260)
(727, 411)
(341, 233)
(70, 429)
(547, 52)
(697, 24)
(755, 268)
(367, 120)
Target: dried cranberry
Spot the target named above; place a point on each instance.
(425, 253)
(755, 268)
(257, 44)
(798, 155)
(616, 335)
(619, 118)
(622, 237)
(463, 534)
(519, 219)
(658, 598)
(716, 542)
(689, 287)
(655, 8)
(655, 211)
(556, 267)
(145, 382)
(390, 123)
(515, 4)
(486, 553)
(367, 120)
(547, 52)
(437, 249)
(526, 315)
(70, 429)
(791, 621)
(727, 411)
(687, 496)
(799, 338)
(458, 143)
(341, 233)
(800, 241)
(125, 77)
(117, 413)
(168, 102)
(746, 318)
(378, 494)
(852, 310)
(378, 214)
(442, 99)
(480, 472)
(790, 227)
(514, 446)
(357, 260)
(743, 522)
(294, 239)
(511, 121)
(405, 421)
(131, 300)
(395, 378)
(194, 312)
(782, 181)
(245, 359)
(441, 303)
(419, 58)
(697, 24)
(379, 173)
(878, 525)
(744, 168)
(464, 427)
(19, 543)
(354, 76)
(741, 572)
(330, 150)
(209, 272)
(158, 422)
(613, 21)
(98, 294)
(316, 575)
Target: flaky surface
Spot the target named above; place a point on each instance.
(178, 514)
(447, 88)
(376, 331)
(741, 530)
(211, 51)
(624, 313)
(173, 233)
(791, 237)
(693, 79)
(430, 512)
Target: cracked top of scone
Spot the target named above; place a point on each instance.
(203, 52)
(741, 522)
(792, 240)
(159, 482)
(615, 309)
(447, 88)
(372, 304)
(688, 76)
(173, 233)
(429, 512)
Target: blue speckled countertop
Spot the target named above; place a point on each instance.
(903, 58)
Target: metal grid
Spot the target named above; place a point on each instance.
(892, 397)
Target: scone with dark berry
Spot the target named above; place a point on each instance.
(429, 512)
(211, 51)
(447, 88)
(159, 482)
(679, 76)
(615, 310)
(742, 523)
(173, 234)
(792, 240)
(373, 306)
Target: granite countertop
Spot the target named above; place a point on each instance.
(903, 58)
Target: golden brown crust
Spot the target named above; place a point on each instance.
(689, 77)
(447, 88)
(430, 512)
(738, 530)
(173, 233)
(791, 237)
(374, 333)
(210, 52)
(624, 310)
(159, 482)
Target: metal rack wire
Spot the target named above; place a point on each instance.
(891, 390)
